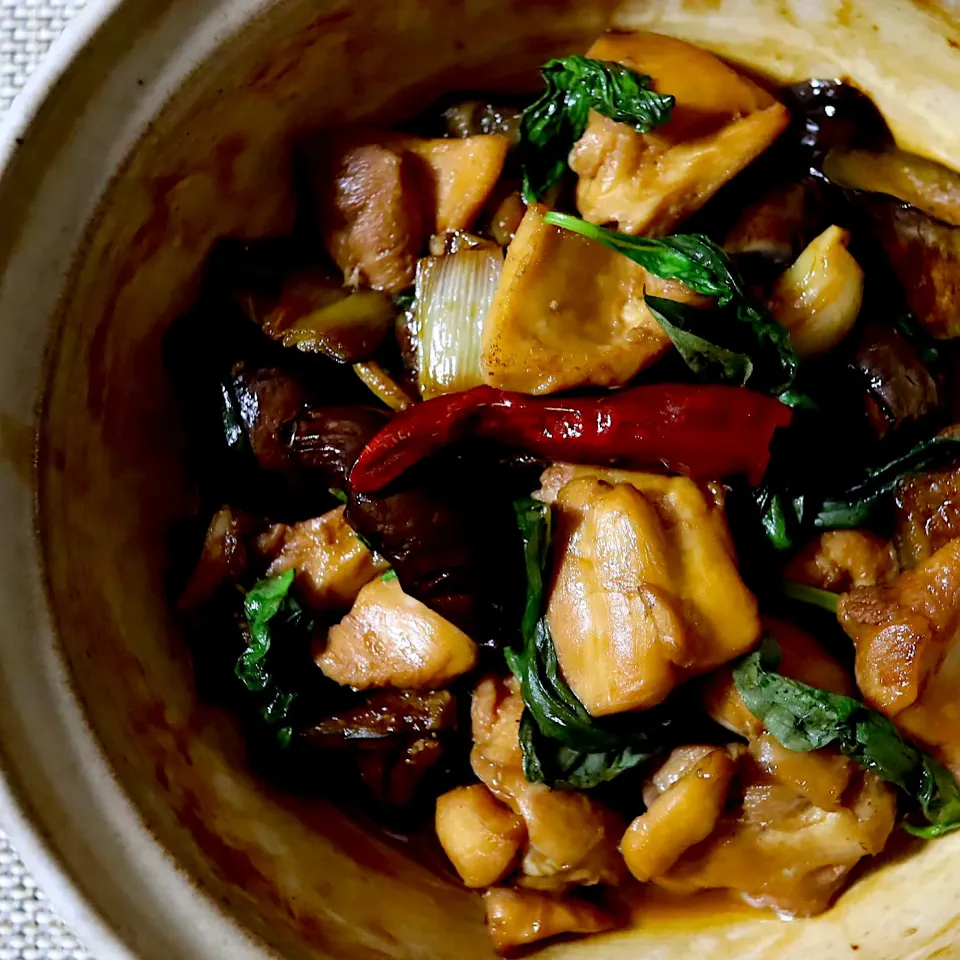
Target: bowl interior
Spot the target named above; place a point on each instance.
(303, 877)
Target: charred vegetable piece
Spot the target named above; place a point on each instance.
(900, 389)
(649, 181)
(743, 345)
(802, 718)
(929, 186)
(386, 715)
(704, 431)
(925, 255)
(829, 114)
(471, 118)
(575, 86)
(317, 315)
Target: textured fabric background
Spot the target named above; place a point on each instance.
(29, 930)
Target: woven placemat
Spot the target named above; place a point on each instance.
(29, 930)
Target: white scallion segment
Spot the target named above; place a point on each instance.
(454, 294)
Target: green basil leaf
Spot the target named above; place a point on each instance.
(739, 343)
(576, 85)
(787, 516)
(825, 599)
(261, 605)
(803, 718)
(267, 605)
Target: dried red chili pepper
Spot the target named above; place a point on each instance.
(706, 432)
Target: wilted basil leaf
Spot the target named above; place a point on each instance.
(803, 718)
(576, 85)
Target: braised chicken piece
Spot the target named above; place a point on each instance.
(645, 588)
(332, 564)
(648, 182)
(908, 658)
(380, 195)
(778, 850)
(928, 515)
(389, 639)
(371, 211)
(571, 838)
(800, 822)
(479, 834)
(683, 810)
(839, 560)
(568, 312)
(516, 918)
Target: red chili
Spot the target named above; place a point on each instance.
(706, 432)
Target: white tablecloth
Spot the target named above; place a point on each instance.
(29, 930)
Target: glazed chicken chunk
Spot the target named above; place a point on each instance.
(568, 311)
(645, 587)
(390, 639)
(908, 655)
(795, 823)
(648, 182)
(331, 562)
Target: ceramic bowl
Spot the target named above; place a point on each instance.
(154, 127)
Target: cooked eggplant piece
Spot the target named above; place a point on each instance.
(386, 715)
(470, 118)
(921, 183)
(925, 255)
(900, 389)
(830, 113)
(647, 183)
